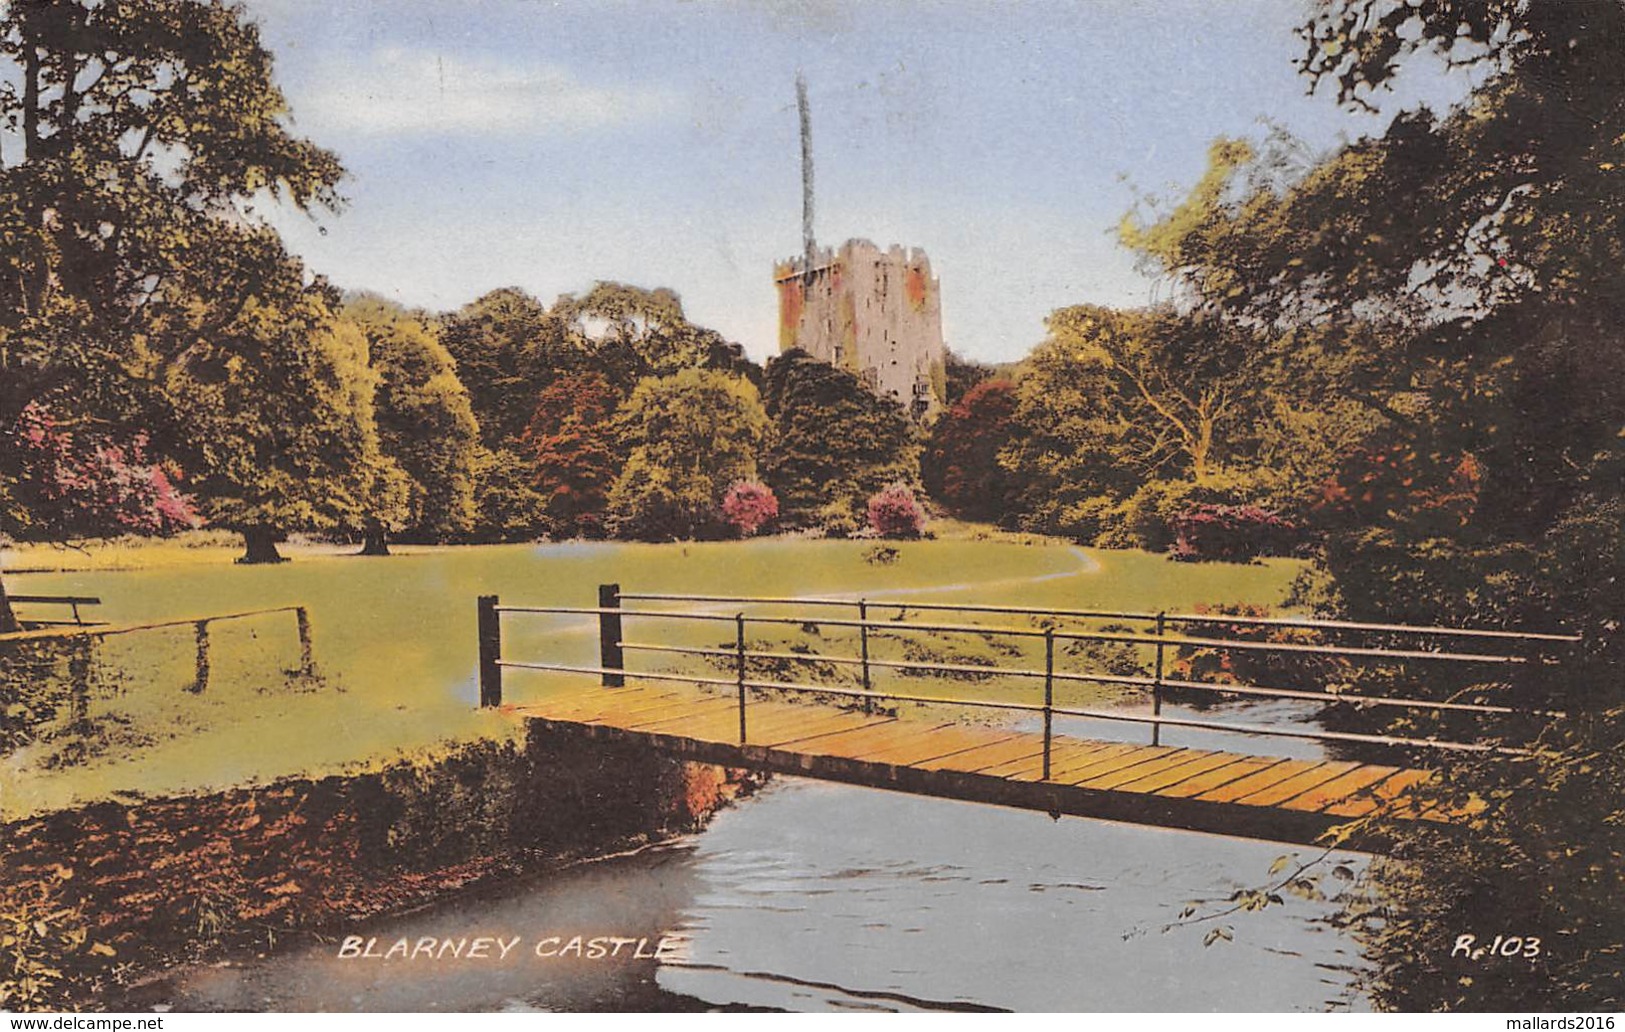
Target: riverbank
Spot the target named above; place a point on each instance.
(104, 896)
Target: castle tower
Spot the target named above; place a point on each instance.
(877, 314)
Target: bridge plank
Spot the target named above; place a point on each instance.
(1063, 752)
(774, 731)
(1219, 777)
(917, 748)
(1318, 775)
(1098, 759)
(918, 745)
(662, 717)
(1384, 793)
(1179, 772)
(871, 736)
(809, 730)
(1131, 756)
(1274, 774)
(1161, 765)
(1339, 788)
(972, 761)
(621, 708)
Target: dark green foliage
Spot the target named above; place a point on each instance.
(1484, 485)
(425, 421)
(960, 464)
(139, 291)
(508, 348)
(629, 333)
(963, 374)
(506, 499)
(1231, 533)
(833, 442)
(1540, 862)
(691, 436)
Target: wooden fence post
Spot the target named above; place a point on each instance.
(610, 656)
(307, 658)
(79, 661)
(490, 637)
(201, 680)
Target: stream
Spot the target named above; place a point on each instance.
(825, 897)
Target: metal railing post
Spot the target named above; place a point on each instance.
(610, 656)
(490, 637)
(1049, 693)
(1156, 682)
(739, 670)
(863, 639)
(201, 680)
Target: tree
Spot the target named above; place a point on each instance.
(573, 439)
(508, 347)
(426, 425)
(145, 133)
(1486, 241)
(960, 466)
(691, 436)
(834, 443)
(962, 374)
(507, 504)
(631, 332)
(141, 125)
(1125, 416)
(278, 408)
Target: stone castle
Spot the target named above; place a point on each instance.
(877, 314)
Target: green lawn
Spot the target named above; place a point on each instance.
(394, 639)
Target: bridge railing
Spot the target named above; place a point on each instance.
(1430, 644)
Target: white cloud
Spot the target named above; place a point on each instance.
(397, 91)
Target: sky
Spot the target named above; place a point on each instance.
(548, 145)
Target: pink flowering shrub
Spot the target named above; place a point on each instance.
(68, 484)
(749, 506)
(893, 513)
(1233, 533)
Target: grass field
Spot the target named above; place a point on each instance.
(394, 639)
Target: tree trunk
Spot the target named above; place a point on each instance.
(260, 547)
(373, 542)
(8, 619)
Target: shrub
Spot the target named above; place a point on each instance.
(893, 513)
(880, 555)
(1233, 533)
(839, 518)
(749, 506)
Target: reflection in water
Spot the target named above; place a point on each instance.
(815, 896)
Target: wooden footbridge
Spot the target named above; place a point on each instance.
(720, 708)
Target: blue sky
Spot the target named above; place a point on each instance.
(547, 145)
